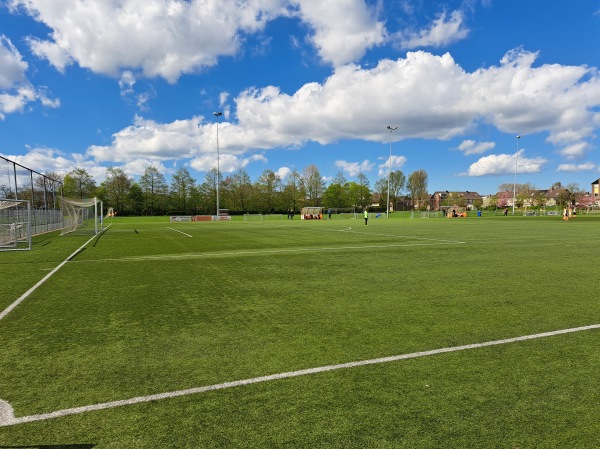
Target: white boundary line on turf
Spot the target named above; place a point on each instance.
(353, 231)
(25, 295)
(177, 230)
(262, 252)
(7, 417)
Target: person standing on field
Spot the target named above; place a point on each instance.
(366, 214)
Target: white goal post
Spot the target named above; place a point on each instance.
(82, 216)
(15, 225)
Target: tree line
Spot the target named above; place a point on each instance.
(151, 194)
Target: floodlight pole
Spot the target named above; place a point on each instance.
(217, 115)
(392, 129)
(515, 183)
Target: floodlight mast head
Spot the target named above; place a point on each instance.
(217, 114)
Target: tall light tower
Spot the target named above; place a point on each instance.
(515, 183)
(217, 115)
(392, 129)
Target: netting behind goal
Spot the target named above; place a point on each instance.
(15, 225)
(341, 212)
(82, 216)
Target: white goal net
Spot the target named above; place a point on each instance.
(15, 225)
(82, 216)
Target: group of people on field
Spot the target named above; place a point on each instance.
(569, 212)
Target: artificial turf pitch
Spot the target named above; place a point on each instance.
(150, 307)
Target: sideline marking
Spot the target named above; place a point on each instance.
(177, 230)
(25, 295)
(7, 417)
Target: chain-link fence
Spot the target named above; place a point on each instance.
(44, 193)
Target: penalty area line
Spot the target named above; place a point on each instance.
(7, 417)
(181, 232)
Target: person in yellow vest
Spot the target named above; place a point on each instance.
(366, 215)
(566, 214)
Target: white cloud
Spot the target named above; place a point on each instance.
(575, 151)
(444, 102)
(15, 89)
(137, 167)
(169, 38)
(396, 163)
(503, 164)
(440, 33)
(469, 147)
(228, 163)
(573, 168)
(223, 97)
(148, 139)
(12, 66)
(354, 168)
(127, 82)
(163, 38)
(283, 172)
(343, 29)
(44, 160)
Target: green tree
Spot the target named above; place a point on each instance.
(417, 186)
(208, 192)
(181, 188)
(154, 190)
(79, 184)
(313, 184)
(397, 181)
(268, 187)
(359, 193)
(336, 194)
(381, 187)
(457, 200)
(397, 184)
(366, 197)
(571, 193)
(564, 198)
(115, 188)
(243, 188)
(136, 199)
(293, 191)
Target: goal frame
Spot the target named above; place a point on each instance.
(15, 230)
(73, 211)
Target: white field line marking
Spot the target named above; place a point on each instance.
(401, 236)
(349, 229)
(8, 418)
(25, 295)
(262, 252)
(181, 232)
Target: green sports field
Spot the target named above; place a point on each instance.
(151, 307)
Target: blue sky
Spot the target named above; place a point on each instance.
(129, 83)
